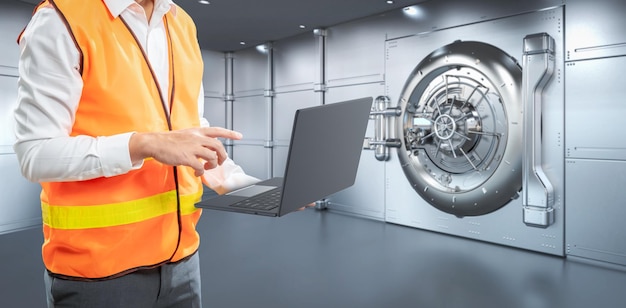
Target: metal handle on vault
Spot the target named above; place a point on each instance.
(537, 190)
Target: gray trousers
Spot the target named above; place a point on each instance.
(170, 285)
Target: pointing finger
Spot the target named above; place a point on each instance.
(220, 132)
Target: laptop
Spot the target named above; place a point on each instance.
(323, 158)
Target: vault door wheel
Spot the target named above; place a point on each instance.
(462, 126)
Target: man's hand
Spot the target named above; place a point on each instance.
(312, 204)
(188, 147)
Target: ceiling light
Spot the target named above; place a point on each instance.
(302, 26)
(410, 10)
(414, 12)
(389, 2)
(263, 48)
(242, 43)
(204, 2)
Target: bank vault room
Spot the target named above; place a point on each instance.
(492, 171)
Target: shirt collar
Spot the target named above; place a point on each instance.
(116, 7)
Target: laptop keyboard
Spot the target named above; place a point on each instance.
(266, 201)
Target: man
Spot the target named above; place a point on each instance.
(110, 123)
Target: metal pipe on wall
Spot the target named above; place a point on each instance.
(229, 98)
(269, 100)
(320, 85)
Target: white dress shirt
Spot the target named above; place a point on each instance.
(49, 90)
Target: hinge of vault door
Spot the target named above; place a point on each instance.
(383, 117)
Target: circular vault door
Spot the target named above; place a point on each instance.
(461, 124)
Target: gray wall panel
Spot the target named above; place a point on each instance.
(249, 118)
(8, 103)
(214, 77)
(250, 72)
(591, 36)
(595, 210)
(19, 206)
(13, 18)
(215, 111)
(355, 52)
(295, 63)
(595, 109)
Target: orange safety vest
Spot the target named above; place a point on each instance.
(107, 227)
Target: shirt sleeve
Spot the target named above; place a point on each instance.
(49, 89)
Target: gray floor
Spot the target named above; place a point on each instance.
(326, 259)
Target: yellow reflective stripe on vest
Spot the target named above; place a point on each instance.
(108, 215)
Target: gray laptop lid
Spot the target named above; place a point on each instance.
(324, 153)
(323, 158)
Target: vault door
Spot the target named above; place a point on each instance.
(461, 124)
